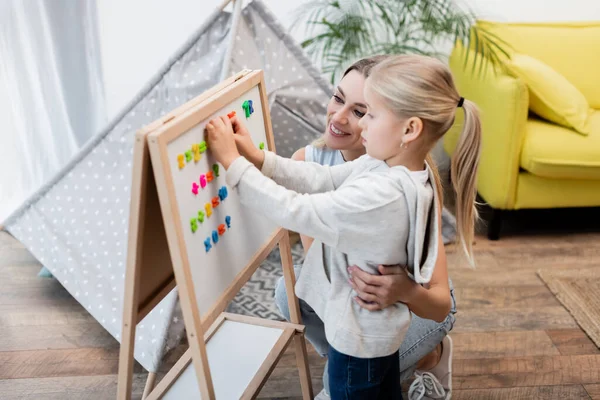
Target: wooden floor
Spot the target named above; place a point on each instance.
(513, 339)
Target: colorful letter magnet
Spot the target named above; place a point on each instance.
(228, 221)
(188, 156)
(196, 151)
(202, 181)
(180, 161)
(208, 210)
(261, 145)
(194, 224)
(215, 201)
(215, 237)
(200, 216)
(246, 107)
(221, 229)
(223, 193)
(195, 188)
(207, 244)
(215, 168)
(209, 176)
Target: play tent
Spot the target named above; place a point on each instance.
(76, 224)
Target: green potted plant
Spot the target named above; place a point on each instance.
(340, 31)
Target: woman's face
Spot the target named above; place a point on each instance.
(345, 109)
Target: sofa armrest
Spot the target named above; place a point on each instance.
(503, 102)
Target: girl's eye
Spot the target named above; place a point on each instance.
(359, 114)
(338, 99)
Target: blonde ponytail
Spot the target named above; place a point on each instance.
(436, 177)
(465, 162)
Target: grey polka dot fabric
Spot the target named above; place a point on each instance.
(76, 225)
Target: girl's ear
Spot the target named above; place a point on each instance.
(413, 127)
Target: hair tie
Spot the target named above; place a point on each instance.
(460, 102)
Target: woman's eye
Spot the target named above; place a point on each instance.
(337, 98)
(359, 114)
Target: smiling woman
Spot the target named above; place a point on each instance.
(345, 108)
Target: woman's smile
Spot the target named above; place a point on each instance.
(336, 131)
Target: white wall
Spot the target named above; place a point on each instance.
(138, 36)
(536, 10)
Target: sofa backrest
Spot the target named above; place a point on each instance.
(572, 49)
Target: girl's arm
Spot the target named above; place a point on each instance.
(349, 218)
(300, 155)
(301, 177)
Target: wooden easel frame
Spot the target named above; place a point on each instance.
(153, 269)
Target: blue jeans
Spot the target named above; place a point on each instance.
(423, 335)
(352, 378)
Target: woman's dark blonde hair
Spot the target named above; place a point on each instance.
(362, 66)
(423, 87)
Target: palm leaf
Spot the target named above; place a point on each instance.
(341, 31)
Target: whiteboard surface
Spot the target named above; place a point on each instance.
(213, 271)
(235, 353)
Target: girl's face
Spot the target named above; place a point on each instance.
(382, 130)
(345, 109)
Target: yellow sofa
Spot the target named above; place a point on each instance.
(528, 162)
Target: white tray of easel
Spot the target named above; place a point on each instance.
(188, 229)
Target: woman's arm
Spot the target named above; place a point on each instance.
(300, 155)
(433, 302)
(376, 292)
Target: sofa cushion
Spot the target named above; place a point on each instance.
(571, 48)
(551, 95)
(553, 151)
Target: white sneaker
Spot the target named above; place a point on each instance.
(323, 395)
(437, 382)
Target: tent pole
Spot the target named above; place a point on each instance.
(237, 12)
(224, 4)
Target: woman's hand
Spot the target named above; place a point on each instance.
(376, 292)
(245, 145)
(221, 141)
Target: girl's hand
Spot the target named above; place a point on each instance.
(245, 145)
(376, 292)
(221, 141)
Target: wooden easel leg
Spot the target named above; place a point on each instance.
(126, 357)
(285, 250)
(149, 384)
(130, 316)
(303, 367)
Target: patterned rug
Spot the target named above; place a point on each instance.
(579, 292)
(256, 297)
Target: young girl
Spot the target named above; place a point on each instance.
(378, 209)
(427, 347)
